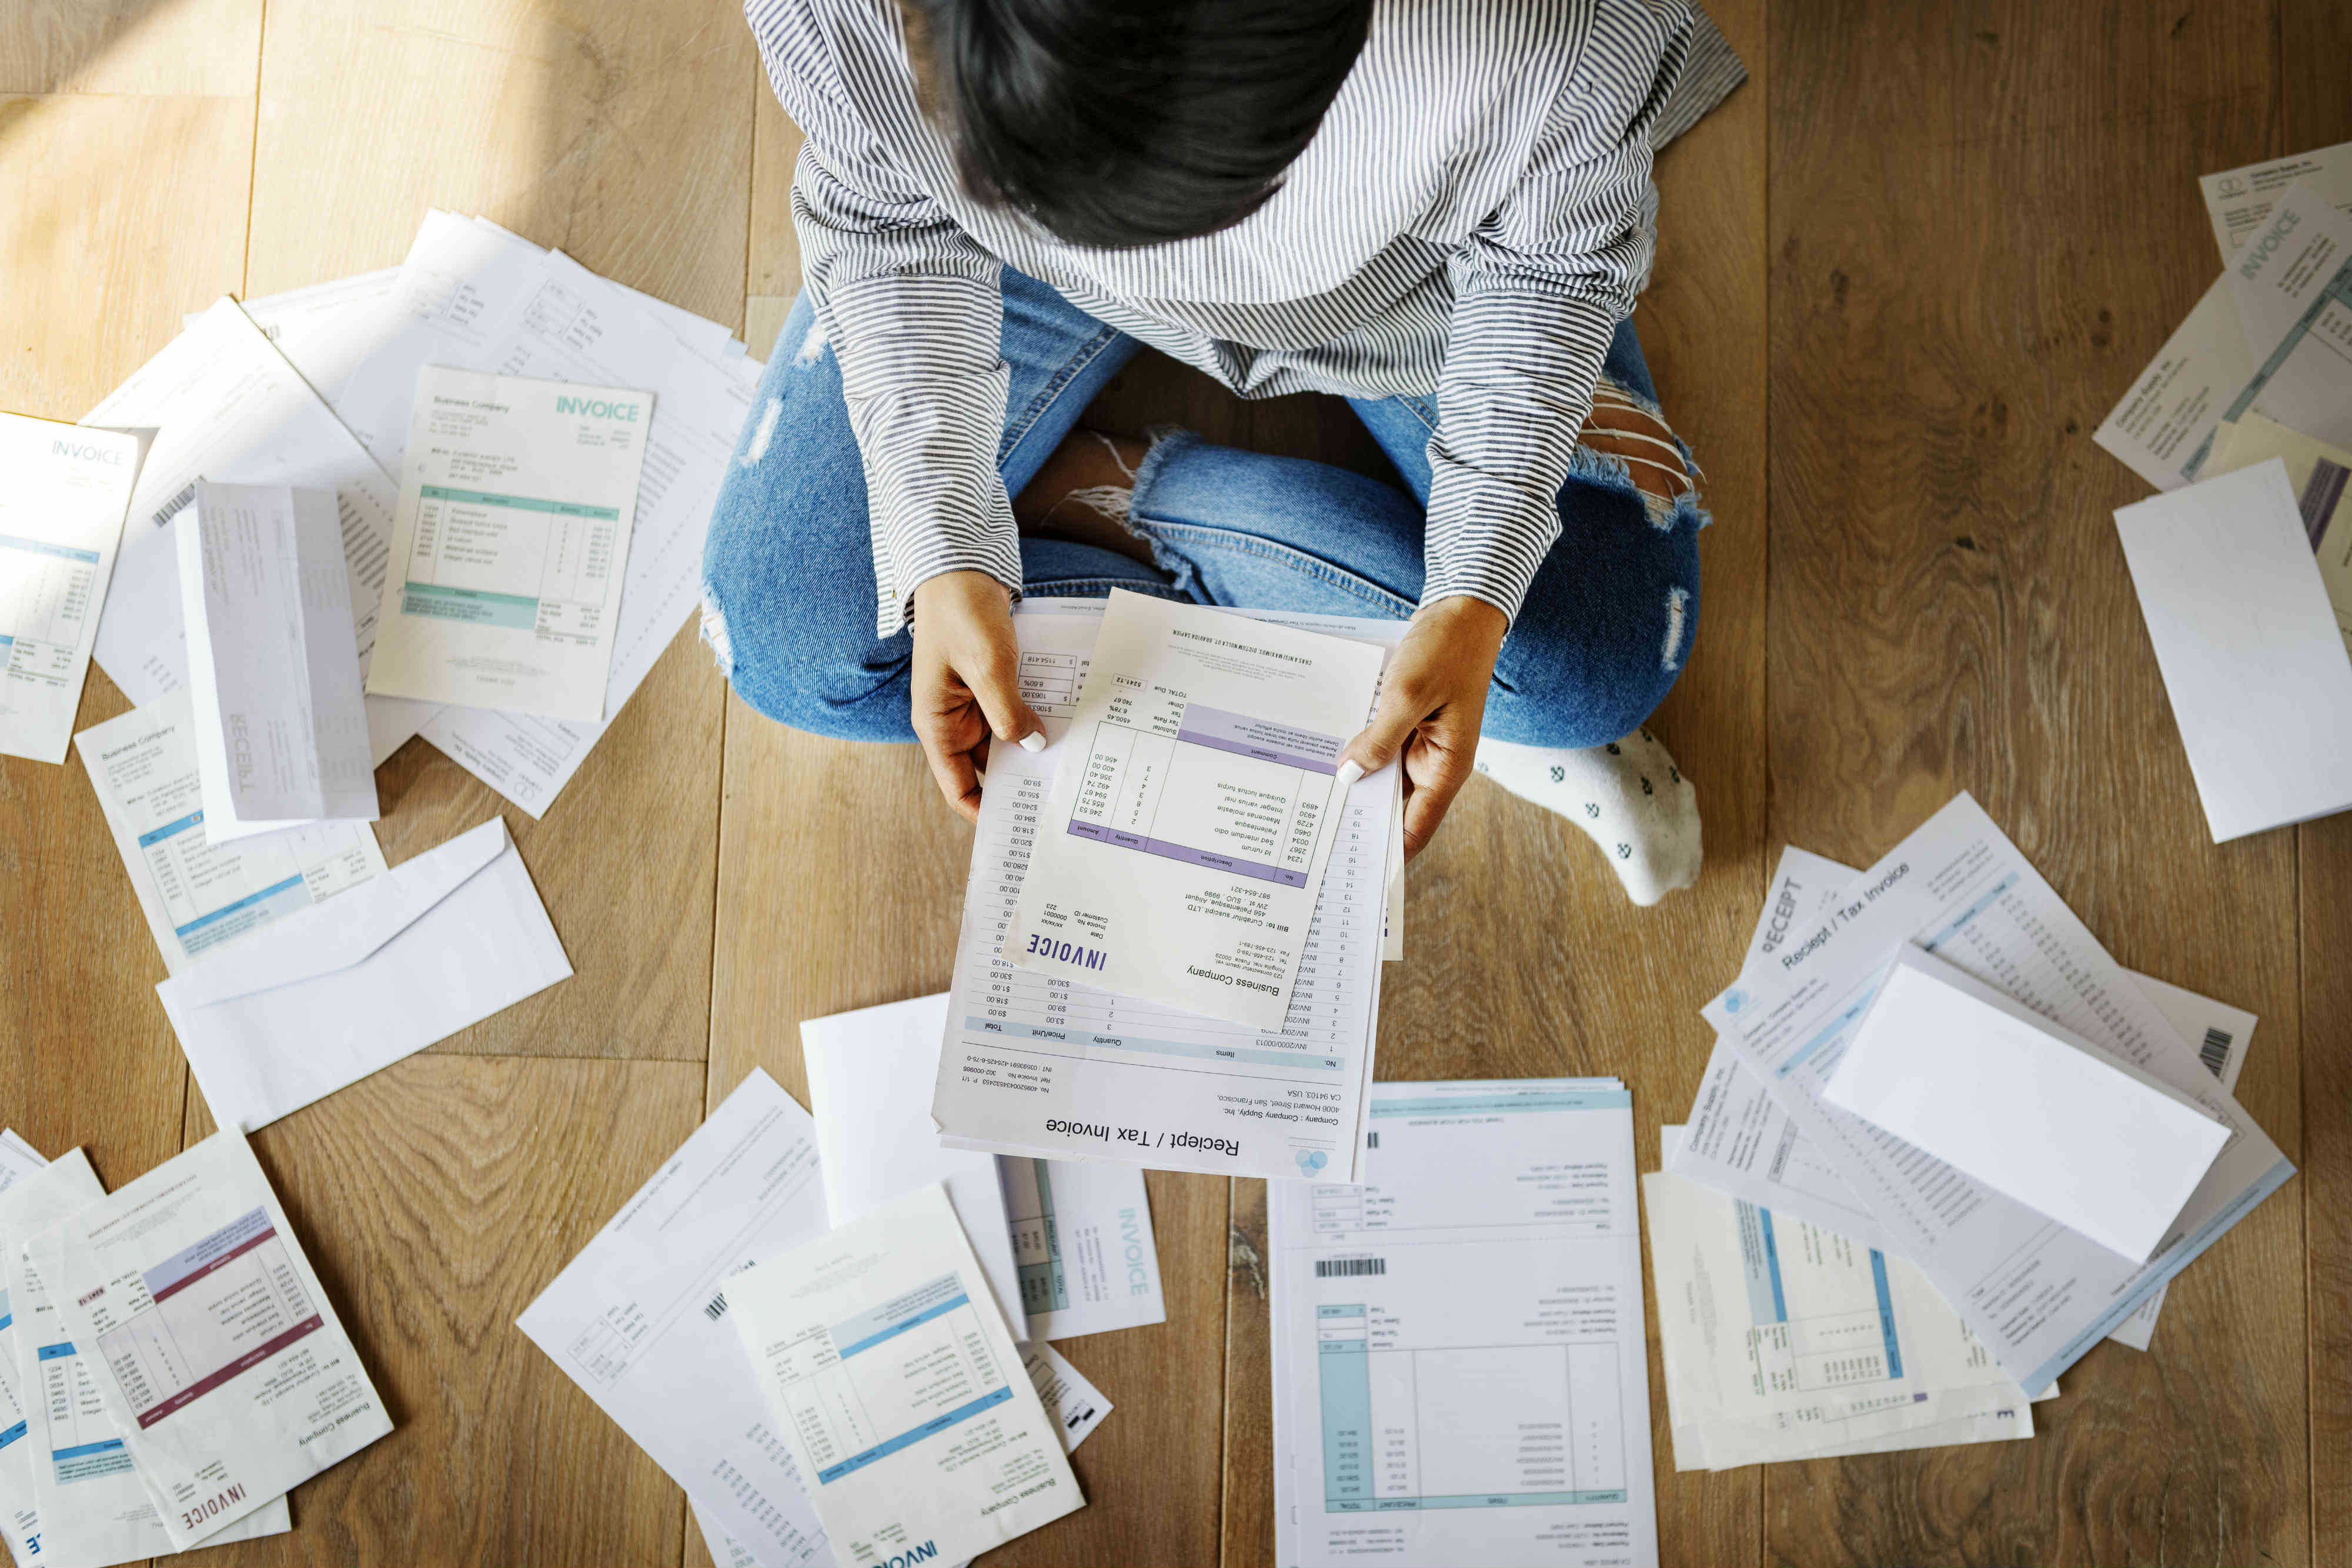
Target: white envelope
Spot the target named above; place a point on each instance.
(867, 1075)
(337, 991)
(2251, 656)
(1984, 1084)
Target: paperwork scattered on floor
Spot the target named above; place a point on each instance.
(1459, 1366)
(1959, 889)
(2252, 657)
(60, 522)
(200, 897)
(232, 400)
(897, 1390)
(280, 729)
(86, 1501)
(351, 986)
(213, 1351)
(2266, 338)
(640, 1321)
(1048, 1066)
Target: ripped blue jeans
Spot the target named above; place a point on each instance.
(788, 574)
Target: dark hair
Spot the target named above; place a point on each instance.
(1116, 123)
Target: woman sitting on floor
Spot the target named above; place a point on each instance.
(1438, 212)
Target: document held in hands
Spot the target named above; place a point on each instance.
(898, 1390)
(1195, 802)
(2256, 667)
(1038, 1065)
(212, 1345)
(510, 544)
(353, 986)
(61, 523)
(2026, 1105)
(280, 725)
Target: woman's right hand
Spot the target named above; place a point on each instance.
(966, 685)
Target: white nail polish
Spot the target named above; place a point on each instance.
(1033, 741)
(1350, 771)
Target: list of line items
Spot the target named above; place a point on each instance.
(1170, 776)
(1055, 1014)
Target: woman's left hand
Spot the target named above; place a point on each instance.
(1430, 706)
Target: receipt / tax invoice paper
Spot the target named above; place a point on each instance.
(1196, 797)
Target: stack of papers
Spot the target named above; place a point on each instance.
(1038, 1062)
(1459, 1373)
(318, 389)
(646, 1322)
(1066, 1247)
(173, 1364)
(2241, 582)
(1767, 1132)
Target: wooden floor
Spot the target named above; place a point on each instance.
(1903, 275)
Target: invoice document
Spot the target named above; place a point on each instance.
(510, 542)
(1195, 805)
(1049, 1066)
(61, 507)
(1459, 1373)
(897, 1390)
(2164, 424)
(2023, 1104)
(1742, 1143)
(1782, 1340)
(281, 725)
(2257, 670)
(868, 1071)
(2321, 477)
(1077, 1405)
(2036, 1294)
(90, 1505)
(2293, 284)
(2238, 200)
(639, 1319)
(1082, 1240)
(222, 403)
(198, 895)
(213, 1349)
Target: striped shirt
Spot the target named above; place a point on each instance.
(1470, 220)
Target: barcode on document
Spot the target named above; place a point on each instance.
(170, 508)
(1371, 1140)
(2215, 1053)
(716, 1307)
(1348, 1268)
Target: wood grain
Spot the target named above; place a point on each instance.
(2315, 111)
(1984, 221)
(87, 293)
(178, 47)
(436, 1199)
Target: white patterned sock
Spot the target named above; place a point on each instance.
(1627, 796)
